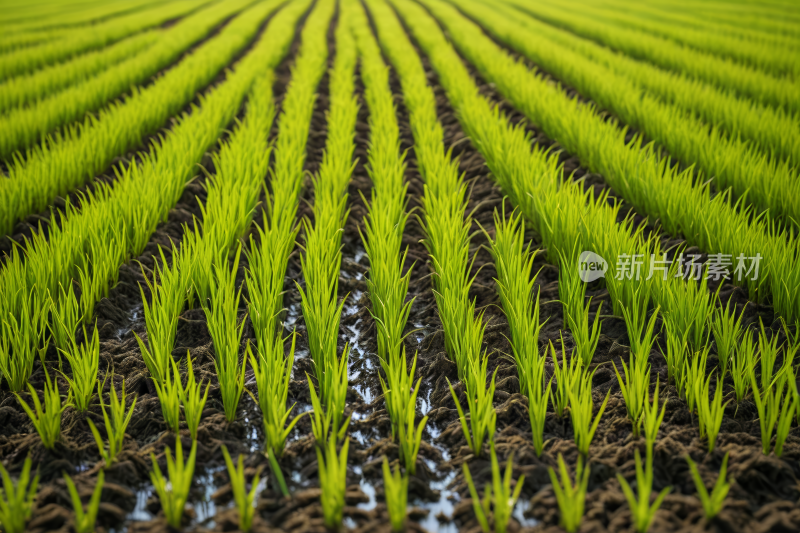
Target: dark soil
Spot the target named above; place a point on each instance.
(764, 492)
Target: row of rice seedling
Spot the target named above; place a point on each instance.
(32, 87)
(386, 283)
(771, 129)
(67, 161)
(644, 179)
(22, 127)
(447, 228)
(321, 264)
(759, 56)
(115, 223)
(767, 183)
(776, 26)
(269, 252)
(725, 74)
(47, 53)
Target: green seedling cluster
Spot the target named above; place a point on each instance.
(245, 501)
(395, 485)
(16, 499)
(46, 416)
(85, 519)
(116, 420)
(498, 498)
(642, 511)
(714, 502)
(84, 361)
(332, 468)
(173, 491)
(570, 497)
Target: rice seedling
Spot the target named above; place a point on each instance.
(498, 498)
(652, 418)
(245, 501)
(568, 378)
(226, 333)
(395, 485)
(482, 416)
(328, 412)
(572, 291)
(570, 498)
(775, 412)
(16, 499)
(675, 354)
(539, 395)
(276, 471)
(580, 411)
(46, 416)
(694, 371)
(642, 512)
(115, 424)
(768, 351)
(332, 480)
(21, 337)
(709, 411)
(66, 316)
(169, 397)
(272, 372)
(727, 334)
(174, 491)
(714, 502)
(85, 520)
(84, 360)
(743, 364)
(191, 396)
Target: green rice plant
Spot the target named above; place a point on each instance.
(84, 360)
(694, 371)
(173, 492)
(675, 354)
(191, 396)
(572, 291)
(580, 411)
(568, 378)
(169, 397)
(539, 395)
(276, 471)
(570, 498)
(21, 337)
(482, 416)
(727, 335)
(641, 332)
(116, 423)
(333, 481)
(743, 365)
(768, 351)
(709, 411)
(245, 501)
(46, 417)
(326, 414)
(636, 384)
(85, 520)
(714, 502)
(400, 394)
(272, 372)
(226, 333)
(642, 512)
(498, 498)
(775, 411)
(395, 485)
(652, 418)
(66, 316)
(16, 499)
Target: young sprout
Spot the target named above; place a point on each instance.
(498, 498)
(84, 360)
(85, 520)
(653, 419)
(634, 387)
(774, 409)
(727, 331)
(332, 481)
(21, 340)
(482, 416)
(768, 354)
(714, 502)
(570, 498)
(396, 487)
(581, 413)
(168, 391)
(694, 370)
(709, 411)
(538, 398)
(641, 510)
(576, 314)
(174, 492)
(115, 424)
(276, 471)
(677, 348)
(567, 376)
(743, 365)
(46, 417)
(65, 317)
(272, 372)
(245, 501)
(191, 396)
(16, 499)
